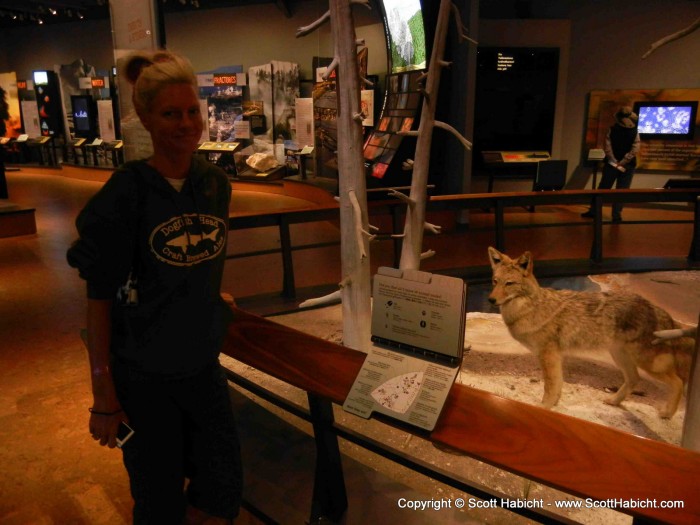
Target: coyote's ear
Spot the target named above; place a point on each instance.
(525, 262)
(495, 257)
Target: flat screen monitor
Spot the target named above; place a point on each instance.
(83, 112)
(666, 120)
(41, 78)
(405, 33)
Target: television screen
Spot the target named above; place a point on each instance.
(83, 115)
(403, 21)
(41, 78)
(666, 120)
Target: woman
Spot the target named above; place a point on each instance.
(621, 151)
(160, 226)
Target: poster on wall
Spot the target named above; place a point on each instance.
(669, 125)
(105, 118)
(260, 88)
(220, 88)
(286, 90)
(30, 118)
(8, 82)
(276, 86)
(305, 121)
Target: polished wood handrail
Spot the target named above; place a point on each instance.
(578, 457)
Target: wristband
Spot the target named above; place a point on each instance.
(101, 370)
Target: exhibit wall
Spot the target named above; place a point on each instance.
(8, 82)
(256, 34)
(246, 35)
(668, 125)
(602, 51)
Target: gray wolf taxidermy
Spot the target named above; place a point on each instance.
(548, 322)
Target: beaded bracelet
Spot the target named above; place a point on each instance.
(97, 413)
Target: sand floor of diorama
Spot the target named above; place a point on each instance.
(496, 363)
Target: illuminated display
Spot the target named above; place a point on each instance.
(403, 21)
(666, 119)
(504, 62)
(98, 82)
(21, 84)
(41, 78)
(225, 80)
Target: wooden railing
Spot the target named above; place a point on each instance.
(572, 455)
(498, 202)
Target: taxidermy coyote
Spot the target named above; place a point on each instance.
(549, 321)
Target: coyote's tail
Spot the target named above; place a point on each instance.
(675, 333)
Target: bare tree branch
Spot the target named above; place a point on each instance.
(670, 38)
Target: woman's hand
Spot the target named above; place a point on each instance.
(106, 412)
(104, 427)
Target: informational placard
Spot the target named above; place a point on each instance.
(30, 118)
(367, 103)
(242, 129)
(105, 117)
(418, 322)
(305, 121)
(219, 146)
(419, 310)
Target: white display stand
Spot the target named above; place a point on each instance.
(418, 321)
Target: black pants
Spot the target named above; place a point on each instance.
(184, 429)
(624, 181)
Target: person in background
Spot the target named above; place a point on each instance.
(621, 151)
(151, 247)
(4, 115)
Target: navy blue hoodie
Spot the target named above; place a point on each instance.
(176, 244)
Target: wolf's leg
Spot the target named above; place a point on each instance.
(623, 357)
(550, 360)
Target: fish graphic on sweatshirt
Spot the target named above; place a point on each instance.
(186, 240)
(192, 239)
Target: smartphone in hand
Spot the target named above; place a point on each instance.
(124, 434)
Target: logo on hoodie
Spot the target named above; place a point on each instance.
(188, 239)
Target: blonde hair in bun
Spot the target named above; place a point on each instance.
(148, 72)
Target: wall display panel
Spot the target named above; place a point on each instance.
(277, 86)
(385, 149)
(286, 89)
(83, 116)
(106, 120)
(325, 103)
(667, 120)
(219, 87)
(515, 99)
(405, 35)
(76, 80)
(8, 82)
(669, 128)
(46, 86)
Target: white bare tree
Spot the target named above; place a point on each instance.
(411, 251)
(354, 224)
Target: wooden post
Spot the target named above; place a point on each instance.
(691, 424)
(330, 499)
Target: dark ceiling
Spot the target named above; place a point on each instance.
(17, 13)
